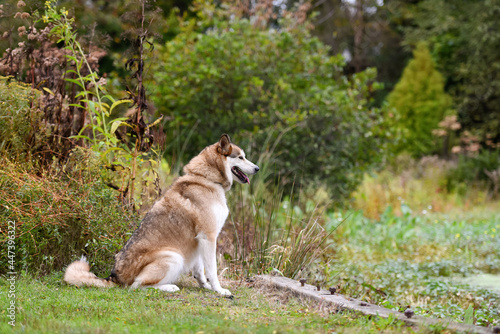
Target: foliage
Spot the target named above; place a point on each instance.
(92, 99)
(39, 61)
(108, 24)
(419, 261)
(21, 130)
(421, 102)
(238, 78)
(464, 38)
(61, 215)
(368, 33)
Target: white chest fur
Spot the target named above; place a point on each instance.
(220, 211)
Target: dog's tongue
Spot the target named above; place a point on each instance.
(244, 176)
(241, 174)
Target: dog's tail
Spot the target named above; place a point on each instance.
(78, 273)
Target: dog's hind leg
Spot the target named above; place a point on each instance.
(161, 273)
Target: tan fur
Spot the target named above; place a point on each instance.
(180, 231)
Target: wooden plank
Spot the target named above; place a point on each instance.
(345, 303)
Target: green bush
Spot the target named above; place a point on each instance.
(60, 216)
(263, 84)
(21, 131)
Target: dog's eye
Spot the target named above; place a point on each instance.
(241, 158)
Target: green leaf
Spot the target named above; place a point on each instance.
(76, 82)
(117, 103)
(116, 124)
(80, 64)
(48, 91)
(91, 105)
(81, 137)
(109, 97)
(76, 105)
(469, 316)
(83, 129)
(111, 149)
(73, 58)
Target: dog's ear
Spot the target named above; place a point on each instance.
(225, 145)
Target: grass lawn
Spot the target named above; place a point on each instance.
(47, 305)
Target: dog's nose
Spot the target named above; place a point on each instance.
(256, 169)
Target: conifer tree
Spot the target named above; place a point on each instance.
(421, 103)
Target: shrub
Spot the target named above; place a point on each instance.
(61, 215)
(254, 83)
(21, 129)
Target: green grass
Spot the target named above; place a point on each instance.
(47, 305)
(417, 260)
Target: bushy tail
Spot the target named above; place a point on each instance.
(78, 273)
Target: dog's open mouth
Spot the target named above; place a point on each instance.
(241, 176)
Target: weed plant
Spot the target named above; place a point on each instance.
(22, 132)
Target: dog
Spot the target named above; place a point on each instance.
(179, 233)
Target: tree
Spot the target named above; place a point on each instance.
(421, 102)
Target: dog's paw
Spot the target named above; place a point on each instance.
(224, 292)
(167, 287)
(205, 285)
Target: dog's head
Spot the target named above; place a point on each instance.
(222, 162)
(239, 165)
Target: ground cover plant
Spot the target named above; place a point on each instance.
(416, 260)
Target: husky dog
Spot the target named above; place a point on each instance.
(179, 233)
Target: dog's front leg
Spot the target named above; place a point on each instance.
(199, 273)
(207, 246)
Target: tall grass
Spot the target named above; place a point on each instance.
(269, 231)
